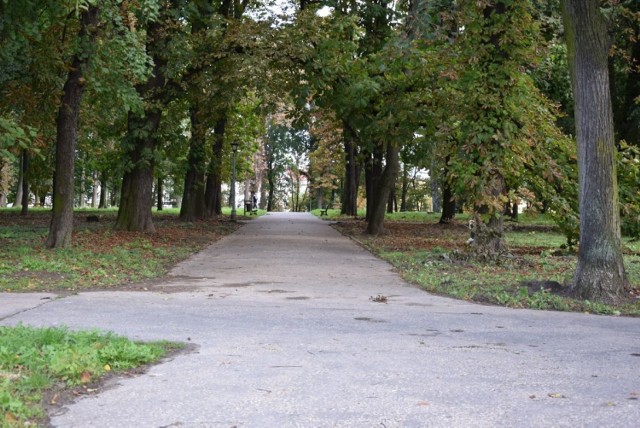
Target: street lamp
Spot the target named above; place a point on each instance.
(232, 198)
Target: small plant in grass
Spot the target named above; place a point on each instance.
(33, 360)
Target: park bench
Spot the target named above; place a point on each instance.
(324, 211)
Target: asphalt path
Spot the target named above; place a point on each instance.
(285, 333)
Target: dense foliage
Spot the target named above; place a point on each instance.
(376, 104)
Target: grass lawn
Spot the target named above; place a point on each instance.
(534, 276)
(99, 256)
(41, 367)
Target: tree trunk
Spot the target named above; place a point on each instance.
(448, 202)
(272, 187)
(405, 188)
(141, 142)
(103, 192)
(435, 191)
(373, 175)
(391, 201)
(61, 226)
(350, 195)
(18, 200)
(384, 186)
(25, 183)
(160, 191)
(193, 198)
(136, 196)
(600, 273)
(488, 237)
(213, 189)
(82, 200)
(4, 182)
(94, 194)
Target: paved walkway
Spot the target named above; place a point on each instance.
(287, 336)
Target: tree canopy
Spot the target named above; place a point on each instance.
(129, 103)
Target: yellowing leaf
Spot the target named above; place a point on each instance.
(556, 395)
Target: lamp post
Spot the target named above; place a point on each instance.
(232, 196)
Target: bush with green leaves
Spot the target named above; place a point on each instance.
(628, 181)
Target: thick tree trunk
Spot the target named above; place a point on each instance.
(103, 192)
(61, 225)
(488, 237)
(350, 188)
(600, 273)
(193, 198)
(213, 191)
(384, 186)
(373, 175)
(448, 202)
(136, 196)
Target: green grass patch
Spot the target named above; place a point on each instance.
(99, 256)
(535, 276)
(34, 361)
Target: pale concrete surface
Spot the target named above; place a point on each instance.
(287, 336)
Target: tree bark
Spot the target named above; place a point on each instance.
(448, 200)
(391, 201)
(160, 191)
(193, 198)
(213, 191)
(18, 200)
(141, 142)
(350, 188)
(94, 193)
(488, 237)
(405, 187)
(4, 182)
(600, 273)
(25, 183)
(103, 192)
(384, 186)
(373, 175)
(61, 226)
(136, 196)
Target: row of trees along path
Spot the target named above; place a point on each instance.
(140, 90)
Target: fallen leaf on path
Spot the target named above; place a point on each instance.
(10, 418)
(556, 395)
(423, 403)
